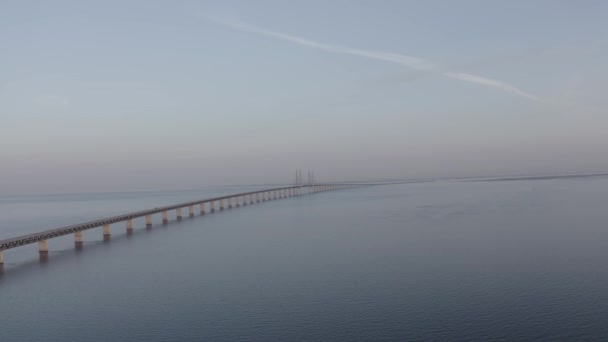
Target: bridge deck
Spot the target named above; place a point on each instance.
(51, 233)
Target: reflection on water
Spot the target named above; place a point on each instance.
(43, 257)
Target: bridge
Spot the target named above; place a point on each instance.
(205, 205)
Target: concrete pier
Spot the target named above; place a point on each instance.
(149, 220)
(129, 226)
(165, 217)
(212, 206)
(238, 201)
(191, 211)
(78, 239)
(202, 208)
(43, 246)
(1, 258)
(178, 213)
(222, 204)
(106, 231)
(229, 202)
(257, 197)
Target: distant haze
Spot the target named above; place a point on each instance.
(141, 95)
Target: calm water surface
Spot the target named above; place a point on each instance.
(441, 261)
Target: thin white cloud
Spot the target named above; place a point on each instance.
(491, 83)
(408, 61)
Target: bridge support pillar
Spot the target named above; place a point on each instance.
(202, 208)
(229, 202)
(178, 213)
(238, 201)
(257, 197)
(1, 258)
(78, 239)
(222, 204)
(191, 211)
(129, 226)
(165, 217)
(43, 247)
(212, 206)
(149, 220)
(106, 231)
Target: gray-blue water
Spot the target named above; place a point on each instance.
(450, 261)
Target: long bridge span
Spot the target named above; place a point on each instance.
(205, 205)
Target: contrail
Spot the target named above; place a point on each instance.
(408, 61)
(492, 83)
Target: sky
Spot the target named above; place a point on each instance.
(148, 95)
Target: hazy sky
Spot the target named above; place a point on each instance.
(135, 95)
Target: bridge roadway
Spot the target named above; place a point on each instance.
(267, 194)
